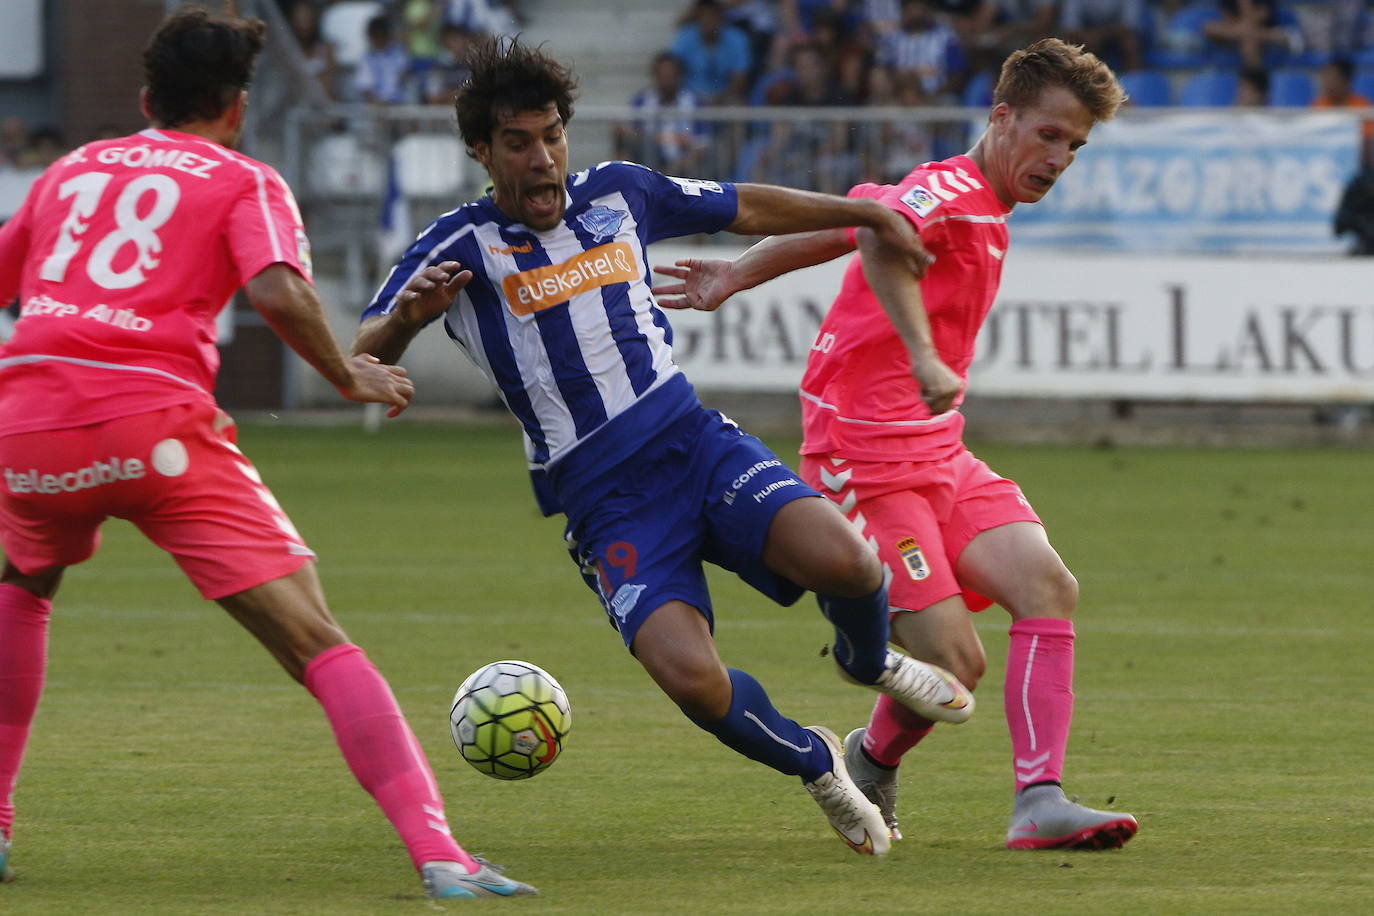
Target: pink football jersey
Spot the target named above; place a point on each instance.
(859, 399)
(122, 256)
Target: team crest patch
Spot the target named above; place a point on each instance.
(625, 599)
(913, 559)
(601, 222)
(920, 200)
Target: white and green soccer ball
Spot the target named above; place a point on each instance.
(509, 719)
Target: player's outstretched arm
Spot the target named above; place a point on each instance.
(886, 271)
(772, 210)
(707, 282)
(425, 296)
(289, 305)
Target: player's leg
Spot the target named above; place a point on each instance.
(230, 536)
(811, 543)
(42, 534)
(1015, 566)
(25, 605)
(288, 615)
(898, 512)
(674, 644)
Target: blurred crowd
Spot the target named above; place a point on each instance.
(395, 52)
(882, 53)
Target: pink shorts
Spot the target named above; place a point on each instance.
(175, 473)
(920, 516)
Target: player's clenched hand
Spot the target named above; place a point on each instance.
(939, 384)
(375, 382)
(706, 283)
(897, 232)
(431, 291)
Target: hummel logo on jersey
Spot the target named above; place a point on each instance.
(540, 288)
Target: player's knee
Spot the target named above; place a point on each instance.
(700, 688)
(1063, 589)
(850, 570)
(966, 662)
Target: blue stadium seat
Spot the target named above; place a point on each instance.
(978, 91)
(1147, 88)
(1179, 44)
(1214, 88)
(1363, 82)
(1292, 88)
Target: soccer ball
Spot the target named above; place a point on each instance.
(509, 719)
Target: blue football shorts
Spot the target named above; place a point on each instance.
(704, 490)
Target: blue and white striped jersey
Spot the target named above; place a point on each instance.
(564, 322)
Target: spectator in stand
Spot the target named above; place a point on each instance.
(451, 69)
(844, 56)
(806, 153)
(890, 149)
(45, 146)
(422, 19)
(1336, 90)
(1350, 27)
(1252, 27)
(382, 74)
(1013, 24)
(664, 136)
(926, 51)
(484, 17)
(14, 137)
(304, 19)
(1108, 28)
(715, 57)
(757, 19)
(1355, 215)
(1252, 89)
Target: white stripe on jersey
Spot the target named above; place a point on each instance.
(929, 421)
(429, 259)
(967, 218)
(94, 364)
(227, 155)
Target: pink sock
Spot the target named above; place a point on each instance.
(1038, 697)
(893, 730)
(382, 752)
(23, 660)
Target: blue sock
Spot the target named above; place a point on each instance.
(758, 731)
(861, 632)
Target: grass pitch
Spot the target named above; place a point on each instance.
(1224, 697)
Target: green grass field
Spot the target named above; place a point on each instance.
(1224, 686)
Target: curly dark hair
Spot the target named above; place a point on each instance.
(1052, 62)
(508, 76)
(197, 62)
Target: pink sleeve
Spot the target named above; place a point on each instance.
(14, 248)
(867, 189)
(265, 227)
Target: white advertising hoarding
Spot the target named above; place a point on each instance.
(1163, 328)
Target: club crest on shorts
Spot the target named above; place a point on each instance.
(913, 558)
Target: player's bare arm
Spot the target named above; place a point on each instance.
(707, 282)
(426, 296)
(289, 305)
(899, 291)
(771, 210)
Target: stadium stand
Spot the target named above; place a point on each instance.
(1148, 88)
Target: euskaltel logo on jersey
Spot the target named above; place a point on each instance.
(540, 288)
